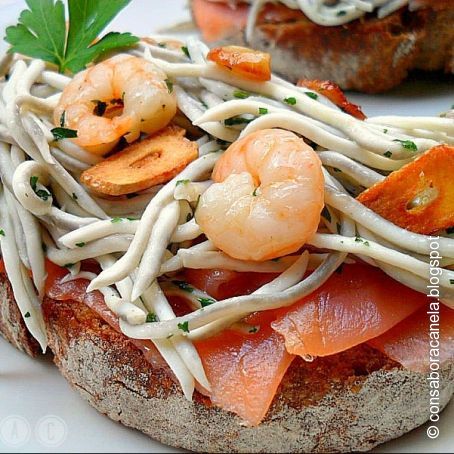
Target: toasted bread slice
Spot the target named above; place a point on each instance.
(351, 401)
(370, 55)
(12, 326)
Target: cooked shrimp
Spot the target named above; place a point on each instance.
(136, 96)
(267, 196)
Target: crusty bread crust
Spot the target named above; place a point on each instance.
(12, 326)
(347, 402)
(369, 55)
(352, 401)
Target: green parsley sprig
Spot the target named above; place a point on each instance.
(42, 32)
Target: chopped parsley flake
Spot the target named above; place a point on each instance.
(255, 192)
(33, 182)
(116, 220)
(263, 110)
(82, 244)
(74, 196)
(151, 317)
(27, 315)
(184, 326)
(206, 301)
(451, 281)
(385, 131)
(311, 94)
(183, 285)
(408, 144)
(185, 51)
(164, 45)
(388, 154)
(182, 182)
(358, 239)
(241, 94)
(2, 232)
(169, 84)
(253, 330)
(236, 121)
(63, 133)
(41, 193)
(290, 101)
(341, 13)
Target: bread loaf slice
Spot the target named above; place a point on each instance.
(351, 401)
(370, 55)
(347, 402)
(12, 326)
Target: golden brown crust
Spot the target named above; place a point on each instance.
(12, 326)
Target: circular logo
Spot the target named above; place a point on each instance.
(433, 432)
(51, 431)
(15, 431)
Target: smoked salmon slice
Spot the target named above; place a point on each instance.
(245, 370)
(217, 20)
(408, 343)
(77, 291)
(353, 306)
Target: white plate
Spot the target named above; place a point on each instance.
(36, 401)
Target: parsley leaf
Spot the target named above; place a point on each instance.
(41, 32)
